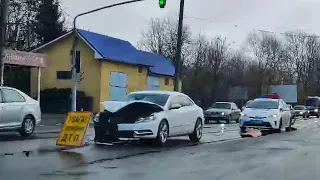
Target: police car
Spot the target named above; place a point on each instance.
(269, 112)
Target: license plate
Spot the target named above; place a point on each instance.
(256, 122)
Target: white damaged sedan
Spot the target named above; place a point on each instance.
(154, 115)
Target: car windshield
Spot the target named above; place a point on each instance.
(263, 104)
(300, 108)
(221, 105)
(160, 99)
(248, 103)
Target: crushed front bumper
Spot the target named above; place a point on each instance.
(110, 131)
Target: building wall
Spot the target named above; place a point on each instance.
(58, 59)
(96, 82)
(136, 80)
(168, 87)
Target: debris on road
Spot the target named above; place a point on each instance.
(252, 133)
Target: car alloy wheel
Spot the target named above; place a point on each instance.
(163, 132)
(28, 125)
(199, 130)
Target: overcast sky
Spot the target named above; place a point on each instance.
(230, 18)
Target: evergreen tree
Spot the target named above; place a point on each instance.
(49, 23)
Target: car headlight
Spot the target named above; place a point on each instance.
(301, 112)
(222, 113)
(96, 117)
(273, 116)
(316, 110)
(243, 114)
(146, 119)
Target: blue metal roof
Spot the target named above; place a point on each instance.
(160, 64)
(122, 51)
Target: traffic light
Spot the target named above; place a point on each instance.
(162, 3)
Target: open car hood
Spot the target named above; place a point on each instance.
(115, 106)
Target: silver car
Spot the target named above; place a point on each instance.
(222, 111)
(19, 112)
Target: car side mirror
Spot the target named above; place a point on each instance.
(281, 109)
(175, 106)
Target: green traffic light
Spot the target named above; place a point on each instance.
(162, 3)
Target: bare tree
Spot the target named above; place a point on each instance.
(303, 50)
(161, 37)
(267, 50)
(204, 69)
(211, 69)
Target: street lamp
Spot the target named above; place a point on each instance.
(74, 49)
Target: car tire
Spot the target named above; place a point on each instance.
(163, 133)
(229, 119)
(317, 115)
(237, 120)
(279, 130)
(197, 132)
(28, 126)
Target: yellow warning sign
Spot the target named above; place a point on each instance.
(74, 129)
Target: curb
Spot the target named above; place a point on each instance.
(48, 132)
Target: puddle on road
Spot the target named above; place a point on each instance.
(71, 159)
(222, 128)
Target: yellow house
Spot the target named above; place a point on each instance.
(112, 67)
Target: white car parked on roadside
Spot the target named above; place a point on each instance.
(266, 113)
(19, 112)
(154, 115)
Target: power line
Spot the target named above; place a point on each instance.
(260, 30)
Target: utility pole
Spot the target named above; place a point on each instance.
(178, 64)
(3, 26)
(74, 49)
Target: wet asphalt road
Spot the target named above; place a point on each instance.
(222, 154)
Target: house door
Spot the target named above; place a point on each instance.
(153, 83)
(118, 86)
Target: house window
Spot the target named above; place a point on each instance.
(140, 69)
(166, 81)
(153, 83)
(118, 86)
(64, 74)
